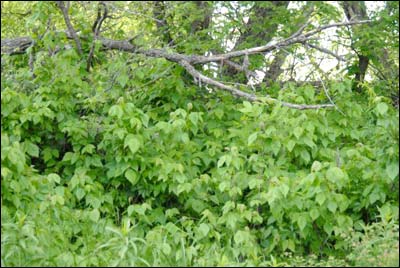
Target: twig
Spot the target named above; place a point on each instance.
(96, 31)
(323, 85)
(239, 67)
(251, 97)
(326, 51)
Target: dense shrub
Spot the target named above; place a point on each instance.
(166, 176)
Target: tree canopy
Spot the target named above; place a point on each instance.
(198, 133)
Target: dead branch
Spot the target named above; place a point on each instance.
(251, 97)
(19, 45)
(326, 51)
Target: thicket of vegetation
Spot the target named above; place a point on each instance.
(133, 135)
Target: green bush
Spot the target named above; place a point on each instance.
(200, 181)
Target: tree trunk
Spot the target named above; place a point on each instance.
(356, 10)
(253, 33)
(162, 26)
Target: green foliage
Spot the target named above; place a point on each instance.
(130, 165)
(203, 182)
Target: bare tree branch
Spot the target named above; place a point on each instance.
(326, 51)
(269, 47)
(238, 93)
(239, 67)
(19, 45)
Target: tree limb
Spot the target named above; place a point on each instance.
(19, 45)
(238, 93)
(326, 51)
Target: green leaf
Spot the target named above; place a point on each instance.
(54, 177)
(240, 237)
(320, 198)
(253, 183)
(139, 73)
(221, 161)
(88, 148)
(116, 111)
(297, 132)
(204, 229)
(131, 208)
(305, 155)
(373, 197)
(309, 92)
(132, 142)
(247, 107)
(184, 137)
(335, 174)
(284, 189)
(275, 147)
(32, 149)
(94, 215)
(328, 228)
(302, 222)
(79, 193)
(316, 166)
(252, 138)
(392, 170)
(131, 176)
(290, 145)
(291, 245)
(382, 108)
(314, 214)
(332, 206)
(122, 78)
(166, 248)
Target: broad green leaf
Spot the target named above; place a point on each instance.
(335, 174)
(240, 237)
(184, 137)
(122, 78)
(131, 208)
(309, 92)
(320, 198)
(253, 183)
(252, 138)
(79, 193)
(54, 177)
(32, 149)
(166, 248)
(373, 197)
(297, 132)
(314, 214)
(204, 229)
(305, 155)
(116, 111)
(132, 142)
(302, 221)
(290, 145)
(332, 206)
(284, 189)
(94, 215)
(291, 245)
(392, 170)
(131, 176)
(316, 166)
(382, 108)
(328, 228)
